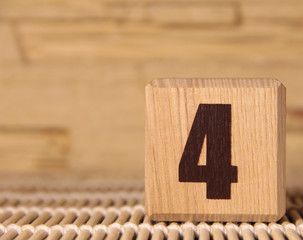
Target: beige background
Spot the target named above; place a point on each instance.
(72, 74)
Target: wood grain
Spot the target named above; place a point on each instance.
(163, 13)
(282, 13)
(79, 66)
(257, 149)
(108, 146)
(29, 149)
(8, 45)
(35, 9)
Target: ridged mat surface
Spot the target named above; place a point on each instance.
(113, 210)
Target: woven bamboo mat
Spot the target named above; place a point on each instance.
(112, 210)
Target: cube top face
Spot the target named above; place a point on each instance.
(215, 150)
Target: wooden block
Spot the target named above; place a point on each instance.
(215, 150)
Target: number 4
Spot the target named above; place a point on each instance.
(213, 121)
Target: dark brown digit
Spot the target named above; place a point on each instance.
(213, 121)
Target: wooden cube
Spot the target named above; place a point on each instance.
(215, 150)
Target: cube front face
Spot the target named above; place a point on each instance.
(215, 150)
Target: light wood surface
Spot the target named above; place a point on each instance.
(257, 149)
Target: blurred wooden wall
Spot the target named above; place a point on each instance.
(72, 73)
